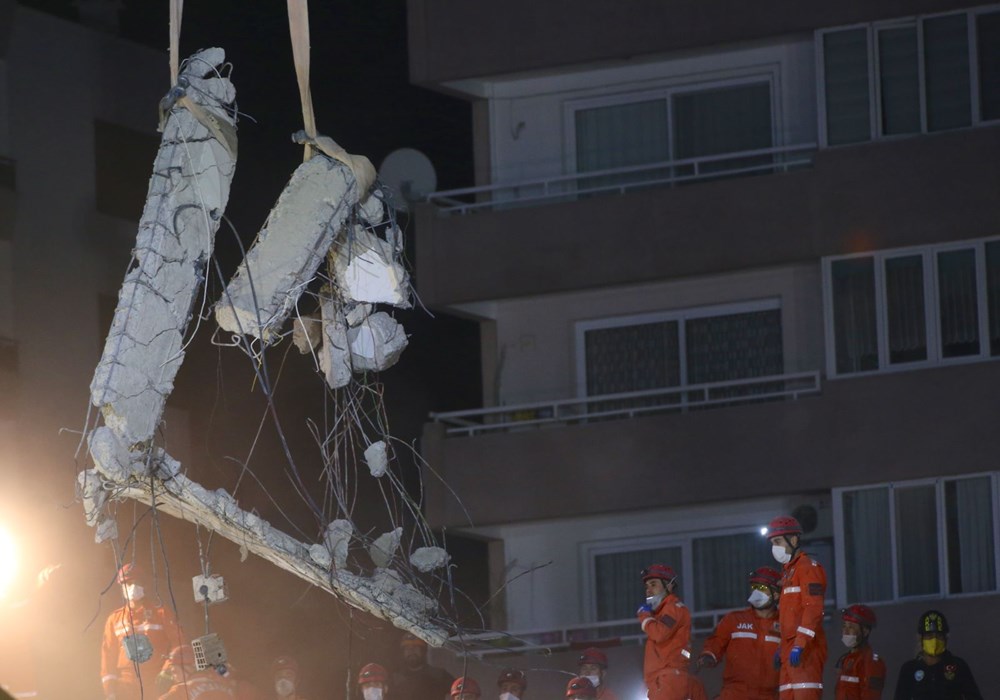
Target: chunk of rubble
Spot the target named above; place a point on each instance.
(307, 332)
(377, 343)
(366, 269)
(335, 353)
(377, 458)
(383, 549)
(427, 559)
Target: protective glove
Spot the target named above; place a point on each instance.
(644, 611)
(777, 660)
(795, 658)
(707, 660)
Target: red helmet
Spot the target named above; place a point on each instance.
(784, 525)
(463, 685)
(372, 673)
(512, 675)
(181, 656)
(658, 571)
(767, 576)
(283, 663)
(593, 655)
(580, 687)
(860, 614)
(129, 572)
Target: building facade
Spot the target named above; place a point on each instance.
(727, 264)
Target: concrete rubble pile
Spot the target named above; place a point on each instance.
(325, 212)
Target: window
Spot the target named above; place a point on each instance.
(916, 307)
(909, 76)
(713, 344)
(917, 539)
(728, 117)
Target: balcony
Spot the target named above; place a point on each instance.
(530, 238)
(877, 428)
(452, 40)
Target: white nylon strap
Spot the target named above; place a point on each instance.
(298, 26)
(176, 11)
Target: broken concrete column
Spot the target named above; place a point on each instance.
(187, 196)
(314, 206)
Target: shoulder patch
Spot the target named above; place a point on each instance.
(815, 589)
(876, 682)
(667, 620)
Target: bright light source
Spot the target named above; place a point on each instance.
(8, 560)
(763, 532)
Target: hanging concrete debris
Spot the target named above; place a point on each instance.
(383, 549)
(428, 559)
(307, 332)
(377, 459)
(367, 269)
(335, 353)
(188, 192)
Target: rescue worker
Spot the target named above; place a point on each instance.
(580, 688)
(800, 615)
(138, 635)
(861, 673)
(415, 679)
(748, 639)
(511, 684)
(936, 673)
(666, 621)
(285, 671)
(465, 688)
(186, 682)
(593, 665)
(373, 680)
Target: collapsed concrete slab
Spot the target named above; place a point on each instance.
(188, 191)
(318, 200)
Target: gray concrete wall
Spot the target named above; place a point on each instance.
(904, 425)
(880, 195)
(454, 39)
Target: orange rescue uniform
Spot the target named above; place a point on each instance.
(668, 634)
(748, 642)
(206, 685)
(800, 616)
(861, 675)
(118, 674)
(605, 693)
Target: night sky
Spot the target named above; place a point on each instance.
(363, 100)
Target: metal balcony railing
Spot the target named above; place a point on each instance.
(629, 404)
(622, 180)
(623, 632)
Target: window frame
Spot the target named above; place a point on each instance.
(931, 285)
(874, 71)
(767, 73)
(840, 537)
(580, 329)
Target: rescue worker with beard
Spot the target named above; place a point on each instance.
(511, 684)
(800, 615)
(373, 681)
(748, 639)
(861, 673)
(593, 665)
(666, 621)
(138, 634)
(285, 671)
(415, 679)
(936, 673)
(185, 682)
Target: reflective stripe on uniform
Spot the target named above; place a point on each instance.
(850, 679)
(645, 622)
(685, 653)
(769, 638)
(109, 677)
(791, 589)
(800, 686)
(806, 630)
(744, 635)
(144, 627)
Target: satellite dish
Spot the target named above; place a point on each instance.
(410, 174)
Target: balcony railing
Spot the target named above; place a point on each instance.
(629, 404)
(622, 180)
(621, 632)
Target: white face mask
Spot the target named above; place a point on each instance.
(759, 599)
(134, 592)
(780, 555)
(372, 693)
(654, 601)
(508, 696)
(850, 640)
(284, 687)
(594, 680)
